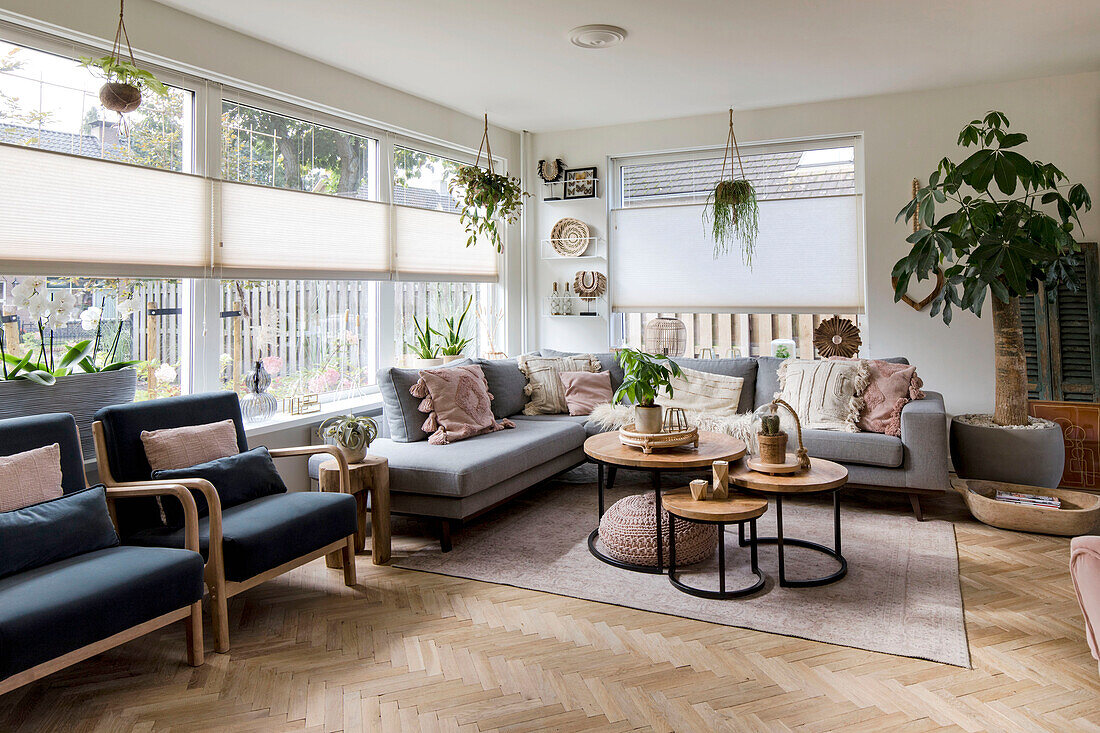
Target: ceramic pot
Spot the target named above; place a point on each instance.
(647, 419)
(773, 448)
(80, 395)
(1033, 457)
(423, 363)
(353, 455)
(448, 358)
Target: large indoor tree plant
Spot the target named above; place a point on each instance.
(1007, 230)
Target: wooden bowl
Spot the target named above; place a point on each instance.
(1078, 514)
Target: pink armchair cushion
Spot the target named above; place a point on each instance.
(585, 390)
(1084, 569)
(30, 477)
(458, 404)
(172, 448)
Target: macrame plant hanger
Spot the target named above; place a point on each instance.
(731, 150)
(485, 145)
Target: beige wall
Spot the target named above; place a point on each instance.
(904, 135)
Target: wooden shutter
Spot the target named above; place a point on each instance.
(1033, 315)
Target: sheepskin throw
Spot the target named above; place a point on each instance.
(827, 395)
(458, 404)
(545, 394)
(718, 394)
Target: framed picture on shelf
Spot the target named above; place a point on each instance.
(580, 183)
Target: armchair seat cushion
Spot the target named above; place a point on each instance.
(265, 533)
(61, 607)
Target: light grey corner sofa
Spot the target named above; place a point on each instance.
(455, 482)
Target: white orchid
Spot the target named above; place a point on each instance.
(62, 307)
(28, 287)
(37, 305)
(165, 374)
(90, 318)
(126, 307)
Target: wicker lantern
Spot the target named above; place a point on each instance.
(665, 336)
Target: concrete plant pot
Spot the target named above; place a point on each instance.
(414, 363)
(647, 419)
(1032, 457)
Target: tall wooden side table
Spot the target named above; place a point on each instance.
(371, 478)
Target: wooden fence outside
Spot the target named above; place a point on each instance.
(746, 334)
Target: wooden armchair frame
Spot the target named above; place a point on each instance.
(191, 615)
(220, 589)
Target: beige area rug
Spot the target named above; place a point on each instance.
(901, 594)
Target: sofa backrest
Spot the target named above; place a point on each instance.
(744, 367)
(400, 409)
(21, 434)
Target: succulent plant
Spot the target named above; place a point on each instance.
(769, 425)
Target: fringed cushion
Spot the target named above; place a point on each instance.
(628, 532)
(827, 395)
(891, 388)
(457, 402)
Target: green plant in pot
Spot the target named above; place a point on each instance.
(352, 435)
(731, 213)
(487, 199)
(125, 79)
(454, 343)
(644, 376)
(425, 351)
(1007, 232)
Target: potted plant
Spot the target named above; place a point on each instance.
(643, 377)
(125, 79)
(453, 342)
(352, 435)
(1009, 229)
(86, 377)
(425, 353)
(771, 440)
(731, 212)
(486, 198)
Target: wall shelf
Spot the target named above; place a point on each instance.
(596, 250)
(554, 192)
(583, 308)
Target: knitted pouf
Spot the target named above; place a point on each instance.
(629, 533)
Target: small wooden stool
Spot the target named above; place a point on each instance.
(371, 476)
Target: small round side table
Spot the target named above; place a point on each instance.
(737, 509)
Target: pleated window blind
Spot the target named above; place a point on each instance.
(431, 245)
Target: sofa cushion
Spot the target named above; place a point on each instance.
(506, 383)
(585, 390)
(400, 407)
(267, 532)
(767, 380)
(703, 391)
(457, 404)
(544, 390)
(30, 477)
(740, 367)
(609, 362)
(40, 534)
(869, 449)
(465, 468)
(61, 607)
(237, 478)
(590, 428)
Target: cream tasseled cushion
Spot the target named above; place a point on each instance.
(704, 392)
(544, 390)
(31, 477)
(628, 532)
(173, 448)
(827, 395)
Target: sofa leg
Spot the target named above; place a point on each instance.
(914, 500)
(348, 554)
(445, 535)
(193, 624)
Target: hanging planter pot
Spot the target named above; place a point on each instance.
(487, 199)
(731, 213)
(125, 80)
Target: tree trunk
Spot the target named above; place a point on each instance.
(1010, 403)
(288, 148)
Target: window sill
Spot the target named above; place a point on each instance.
(370, 405)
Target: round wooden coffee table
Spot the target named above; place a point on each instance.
(606, 450)
(822, 476)
(736, 509)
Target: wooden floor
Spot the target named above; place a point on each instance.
(411, 651)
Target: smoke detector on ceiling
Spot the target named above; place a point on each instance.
(597, 36)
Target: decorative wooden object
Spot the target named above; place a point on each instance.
(822, 475)
(650, 442)
(919, 305)
(779, 463)
(698, 489)
(786, 464)
(570, 237)
(1080, 423)
(1078, 514)
(720, 478)
(607, 448)
(837, 336)
(371, 476)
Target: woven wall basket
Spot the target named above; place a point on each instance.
(628, 532)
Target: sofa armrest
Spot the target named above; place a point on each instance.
(190, 510)
(924, 436)
(312, 450)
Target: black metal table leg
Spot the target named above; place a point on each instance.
(780, 541)
(599, 486)
(660, 528)
(721, 593)
(612, 472)
(594, 536)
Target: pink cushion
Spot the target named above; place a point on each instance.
(1084, 568)
(892, 386)
(31, 477)
(585, 390)
(458, 404)
(173, 448)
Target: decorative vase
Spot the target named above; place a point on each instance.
(1032, 456)
(720, 475)
(647, 419)
(773, 448)
(352, 455)
(258, 405)
(698, 489)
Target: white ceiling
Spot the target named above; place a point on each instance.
(512, 58)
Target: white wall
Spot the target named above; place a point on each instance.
(904, 135)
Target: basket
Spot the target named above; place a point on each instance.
(650, 442)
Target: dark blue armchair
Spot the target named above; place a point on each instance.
(68, 589)
(244, 545)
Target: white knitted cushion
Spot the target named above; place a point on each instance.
(827, 395)
(628, 532)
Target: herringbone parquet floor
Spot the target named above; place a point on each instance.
(410, 651)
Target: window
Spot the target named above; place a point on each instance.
(432, 302)
(52, 102)
(127, 319)
(313, 336)
(271, 149)
(421, 180)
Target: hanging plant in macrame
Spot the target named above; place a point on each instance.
(731, 213)
(125, 81)
(486, 198)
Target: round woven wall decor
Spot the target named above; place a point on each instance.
(570, 237)
(837, 337)
(628, 531)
